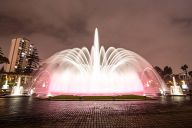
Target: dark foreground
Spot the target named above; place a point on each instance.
(26, 112)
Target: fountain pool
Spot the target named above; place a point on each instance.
(115, 71)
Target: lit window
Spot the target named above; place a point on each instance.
(22, 54)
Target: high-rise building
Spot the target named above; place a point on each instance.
(19, 50)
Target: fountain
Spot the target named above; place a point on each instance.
(114, 71)
(5, 86)
(18, 89)
(176, 89)
(184, 85)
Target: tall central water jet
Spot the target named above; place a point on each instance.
(115, 71)
(96, 55)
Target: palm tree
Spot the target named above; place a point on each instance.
(184, 68)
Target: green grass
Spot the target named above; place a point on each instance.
(65, 97)
(122, 97)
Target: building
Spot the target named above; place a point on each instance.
(19, 50)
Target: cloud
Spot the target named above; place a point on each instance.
(158, 30)
(45, 17)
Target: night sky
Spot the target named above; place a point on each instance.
(158, 30)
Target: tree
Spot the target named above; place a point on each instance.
(167, 73)
(33, 61)
(159, 71)
(1, 53)
(190, 73)
(3, 59)
(19, 69)
(184, 68)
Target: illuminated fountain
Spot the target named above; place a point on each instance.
(184, 85)
(176, 89)
(5, 86)
(18, 89)
(114, 71)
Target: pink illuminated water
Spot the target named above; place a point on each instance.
(114, 71)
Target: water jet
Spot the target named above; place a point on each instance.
(99, 72)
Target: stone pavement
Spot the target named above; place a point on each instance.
(23, 112)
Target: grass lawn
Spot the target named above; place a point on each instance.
(122, 97)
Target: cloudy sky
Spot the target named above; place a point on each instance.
(158, 30)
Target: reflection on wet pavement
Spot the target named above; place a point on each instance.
(28, 112)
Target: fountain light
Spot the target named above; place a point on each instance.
(100, 71)
(176, 89)
(184, 85)
(5, 86)
(18, 89)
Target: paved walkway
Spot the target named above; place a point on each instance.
(31, 113)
